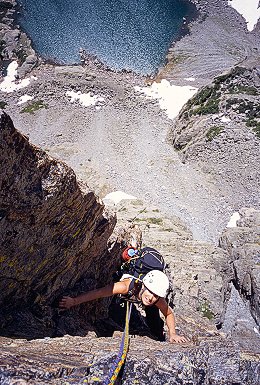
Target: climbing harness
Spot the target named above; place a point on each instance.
(121, 357)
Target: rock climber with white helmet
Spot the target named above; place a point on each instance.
(149, 291)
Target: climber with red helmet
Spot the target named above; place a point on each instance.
(150, 290)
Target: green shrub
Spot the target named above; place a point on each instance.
(211, 107)
(204, 94)
(245, 106)
(251, 109)
(2, 46)
(228, 77)
(213, 132)
(153, 221)
(3, 105)
(221, 79)
(230, 102)
(37, 105)
(238, 71)
(255, 126)
(204, 308)
(238, 89)
(207, 100)
(203, 103)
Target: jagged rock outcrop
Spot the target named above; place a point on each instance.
(228, 108)
(15, 44)
(54, 233)
(242, 244)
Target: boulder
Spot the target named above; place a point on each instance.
(29, 63)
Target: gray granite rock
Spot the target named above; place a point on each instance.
(242, 245)
(74, 360)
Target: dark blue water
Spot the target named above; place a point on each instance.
(130, 34)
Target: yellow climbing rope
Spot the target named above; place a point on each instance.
(110, 380)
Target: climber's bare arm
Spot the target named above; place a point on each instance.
(106, 291)
(170, 321)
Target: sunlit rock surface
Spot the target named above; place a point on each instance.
(76, 360)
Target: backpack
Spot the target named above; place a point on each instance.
(137, 264)
(140, 262)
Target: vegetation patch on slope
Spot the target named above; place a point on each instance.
(35, 106)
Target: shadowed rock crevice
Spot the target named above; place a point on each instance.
(54, 233)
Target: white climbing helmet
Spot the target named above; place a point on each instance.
(157, 282)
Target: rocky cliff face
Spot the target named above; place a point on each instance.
(206, 282)
(200, 271)
(53, 233)
(55, 238)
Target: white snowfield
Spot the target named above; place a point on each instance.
(191, 79)
(117, 196)
(10, 84)
(233, 219)
(85, 99)
(225, 119)
(24, 99)
(171, 98)
(249, 9)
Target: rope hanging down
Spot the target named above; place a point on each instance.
(110, 380)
